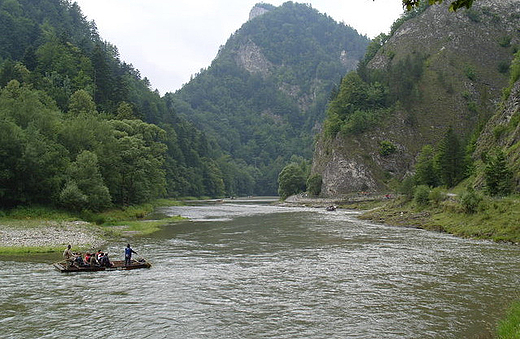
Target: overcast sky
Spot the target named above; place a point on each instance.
(168, 41)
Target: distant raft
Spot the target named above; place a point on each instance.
(117, 265)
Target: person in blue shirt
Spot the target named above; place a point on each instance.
(128, 255)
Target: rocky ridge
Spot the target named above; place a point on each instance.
(461, 84)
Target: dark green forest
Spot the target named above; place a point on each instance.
(83, 129)
(262, 117)
(80, 128)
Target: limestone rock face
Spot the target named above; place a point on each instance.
(257, 11)
(461, 82)
(250, 57)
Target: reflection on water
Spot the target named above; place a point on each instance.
(260, 271)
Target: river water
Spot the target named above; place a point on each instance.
(253, 270)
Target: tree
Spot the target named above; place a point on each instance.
(450, 159)
(455, 5)
(81, 102)
(425, 173)
(85, 181)
(314, 183)
(291, 180)
(498, 176)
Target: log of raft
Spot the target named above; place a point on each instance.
(116, 265)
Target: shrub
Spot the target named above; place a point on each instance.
(386, 148)
(503, 67)
(407, 188)
(314, 183)
(437, 195)
(505, 41)
(470, 201)
(422, 195)
(470, 72)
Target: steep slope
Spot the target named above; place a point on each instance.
(268, 86)
(439, 69)
(502, 134)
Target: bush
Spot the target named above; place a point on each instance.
(470, 201)
(470, 72)
(503, 67)
(505, 41)
(437, 195)
(422, 195)
(407, 188)
(314, 184)
(386, 148)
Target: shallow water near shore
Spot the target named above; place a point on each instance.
(253, 270)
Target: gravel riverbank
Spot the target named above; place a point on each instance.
(50, 234)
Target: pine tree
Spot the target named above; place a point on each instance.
(450, 159)
(498, 176)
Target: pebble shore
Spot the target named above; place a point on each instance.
(50, 234)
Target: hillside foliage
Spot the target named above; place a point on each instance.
(437, 94)
(263, 95)
(81, 128)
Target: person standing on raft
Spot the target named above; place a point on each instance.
(128, 255)
(68, 255)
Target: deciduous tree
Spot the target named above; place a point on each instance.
(454, 5)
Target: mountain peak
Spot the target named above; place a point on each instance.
(259, 9)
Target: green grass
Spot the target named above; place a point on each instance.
(496, 218)
(509, 327)
(14, 251)
(138, 227)
(37, 213)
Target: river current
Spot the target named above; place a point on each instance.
(254, 270)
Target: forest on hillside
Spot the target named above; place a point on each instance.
(265, 94)
(84, 129)
(80, 128)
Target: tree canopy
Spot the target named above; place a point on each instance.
(264, 95)
(82, 129)
(454, 5)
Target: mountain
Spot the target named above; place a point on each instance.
(82, 129)
(266, 91)
(439, 74)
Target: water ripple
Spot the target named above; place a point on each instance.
(260, 271)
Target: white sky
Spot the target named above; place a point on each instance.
(170, 40)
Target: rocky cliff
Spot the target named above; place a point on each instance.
(465, 56)
(502, 132)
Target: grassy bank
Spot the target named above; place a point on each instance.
(44, 230)
(509, 327)
(491, 218)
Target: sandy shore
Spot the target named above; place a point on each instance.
(50, 234)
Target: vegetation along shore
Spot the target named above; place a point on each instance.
(40, 230)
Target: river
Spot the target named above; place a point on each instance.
(254, 270)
